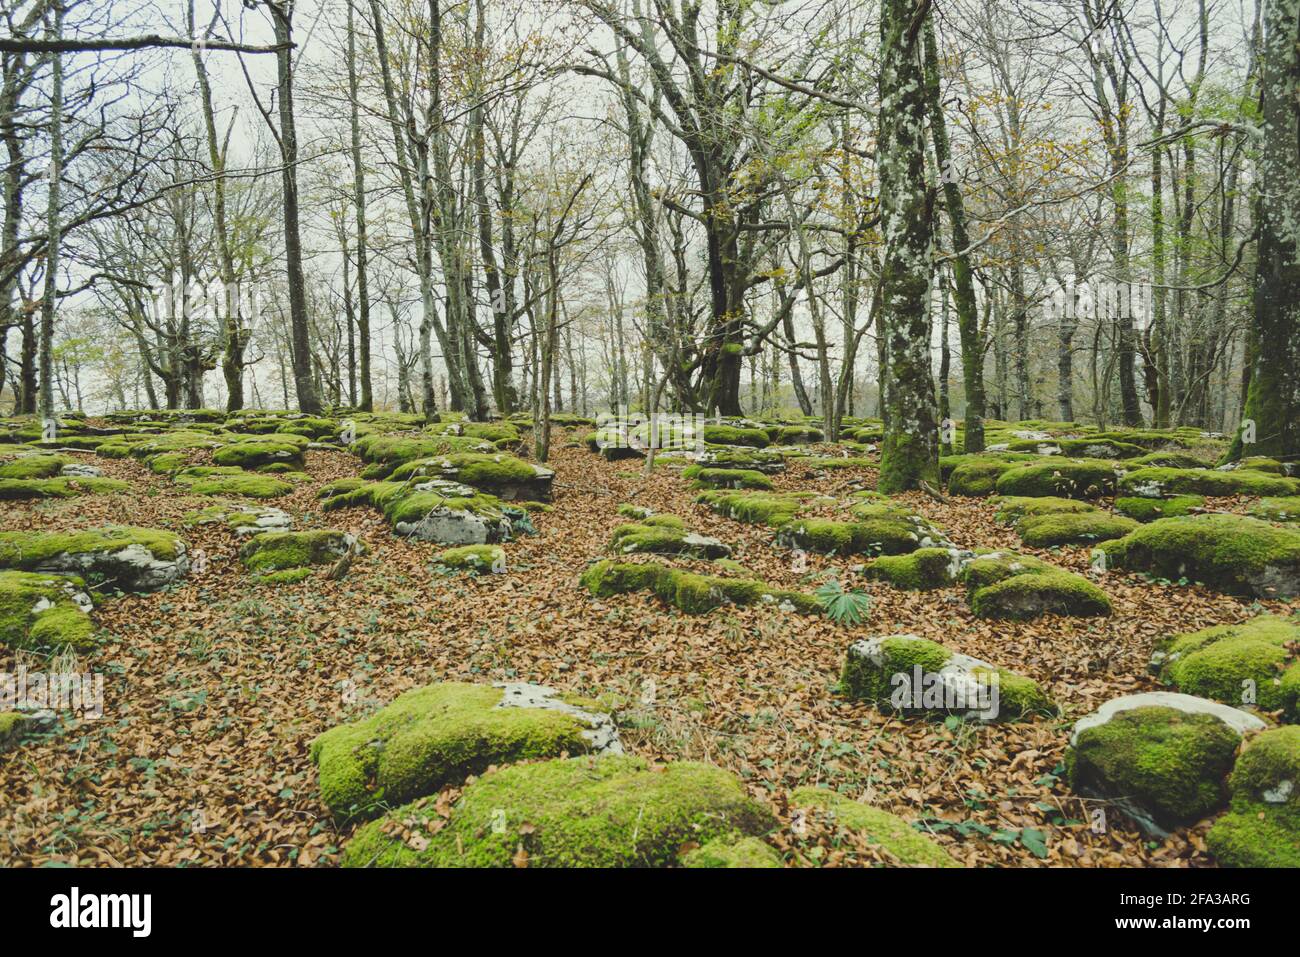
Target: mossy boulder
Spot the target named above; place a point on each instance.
(38, 466)
(230, 480)
(1284, 508)
(443, 733)
(501, 434)
(691, 592)
(282, 551)
(1163, 482)
(12, 725)
(887, 831)
(911, 675)
(703, 477)
(1262, 826)
(665, 535)
(921, 570)
(877, 529)
(1249, 664)
(1007, 585)
(735, 435)
(977, 476)
(731, 853)
(635, 512)
(760, 508)
(1066, 479)
(61, 487)
(476, 558)
(1149, 509)
(609, 811)
(1078, 528)
(43, 612)
(243, 520)
(124, 557)
(1166, 459)
(279, 450)
(767, 461)
(1229, 553)
(434, 510)
(1163, 758)
(1012, 508)
(384, 452)
(505, 476)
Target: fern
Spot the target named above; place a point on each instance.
(844, 607)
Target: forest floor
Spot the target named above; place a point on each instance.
(214, 689)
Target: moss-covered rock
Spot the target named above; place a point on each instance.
(887, 831)
(610, 811)
(39, 611)
(1012, 508)
(1162, 758)
(230, 480)
(703, 477)
(38, 466)
(1007, 585)
(727, 852)
(760, 508)
(877, 529)
(125, 557)
(1067, 478)
(691, 592)
(500, 434)
(1163, 482)
(1230, 553)
(921, 570)
(477, 558)
(441, 734)
(435, 510)
(505, 476)
(913, 675)
(1285, 508)
(281, 551)
(1167, 459)
(977, 476)
(1247, 664)
(61, 487)
(1149, 509)
(277, 450)
(1262, 826)
(665, 535)
(1079, 528)
(384, 452)
(735, 435)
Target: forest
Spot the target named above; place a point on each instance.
(650, 433)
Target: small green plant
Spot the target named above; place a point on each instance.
(843, 607)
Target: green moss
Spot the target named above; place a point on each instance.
(1046, 531)
(1172, 460)
(637, 512)
(747, 852)
(794, 434)
(880, 530)
(1242, 664)
(11, 728)
(310, 426)
(1013, 508)
(726, 478)
(38, 612)
(33, 466)
(1160, 482)
(665, 538)
(1230, 553)
(688, 591)
(1150, 509)
(431, 737)
(1284, 508)
(1006, 585)
(887, 831)
(1167, 762)
(472, 468)
(204, 481)
(498, 433)
(63, 487)
(612, 811)
(481, 558)
(385, 452)
(1068, 478)
(1262, 828)
(28, 550)
(922, 570)
(975, 476)
(734, 435)
(267, 451)
(759, 508)
(865, 680)
(276, 551)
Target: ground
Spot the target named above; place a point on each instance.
(215, 689)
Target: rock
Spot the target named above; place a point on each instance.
(438, 735)
(878, 529)
(703, 477)
(692, 593)
(889, 832)
(81, 470)
(229, 480)
(1150, 509)
(1262, 826)
(124, 557)
(1229, 553)
(259, 452)
(1007, 585)
(748, 852)
(285, 557)
(506, 476)
(1162, 758)
(610, 811)
(1068, 478)
(479, 558)
(1162, 482)
(922, 570)
(912, 675)
(41, 611)
(760, 508)
(1249, 664)
(665, 535)
(435, 510)
(1013, 508)
(1079, 528)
